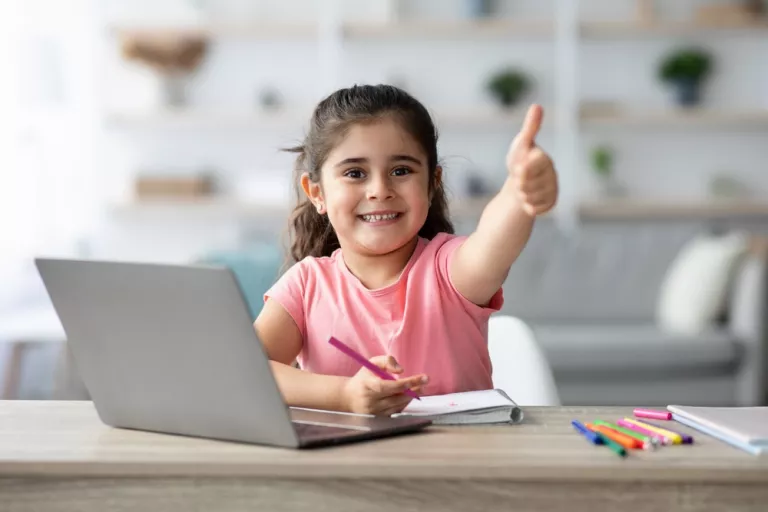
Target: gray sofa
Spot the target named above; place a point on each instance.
(590, 298)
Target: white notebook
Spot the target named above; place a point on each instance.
(743, 427)
(471, 407)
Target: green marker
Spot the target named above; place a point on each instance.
(649, 443)
(613, 445)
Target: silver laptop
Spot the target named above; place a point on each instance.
(172, 348)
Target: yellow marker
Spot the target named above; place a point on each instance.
(674, 436)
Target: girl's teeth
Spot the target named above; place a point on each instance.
(376, 218)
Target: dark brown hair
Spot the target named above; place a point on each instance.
(311, 233)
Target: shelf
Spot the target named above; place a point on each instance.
(296, 119)
(618, 209)
(678, 118)
(625, 29)
(209, 119)
(463, 29)
(352, 30)
(254, 31)
(451, 29)
(209, 209)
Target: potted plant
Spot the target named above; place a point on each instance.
(686, 69)
(602, 164)
(174, 59)
(508, 86)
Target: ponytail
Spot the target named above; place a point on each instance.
(310, 233)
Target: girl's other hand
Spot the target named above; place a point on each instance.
(366, 393)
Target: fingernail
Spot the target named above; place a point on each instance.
(397, 366)
(424, 379)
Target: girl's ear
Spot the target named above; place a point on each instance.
(313, 192)
(437, 182)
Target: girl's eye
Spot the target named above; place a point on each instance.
(354, 173)
(401, 171)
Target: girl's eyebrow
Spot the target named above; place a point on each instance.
(393, 158)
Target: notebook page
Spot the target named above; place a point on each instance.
(457, 402)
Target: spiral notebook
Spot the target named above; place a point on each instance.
(743, 427)
(491, 406)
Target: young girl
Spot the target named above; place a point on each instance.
(377, 263)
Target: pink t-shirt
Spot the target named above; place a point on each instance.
(421, 319)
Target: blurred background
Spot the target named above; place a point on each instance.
(152, 131)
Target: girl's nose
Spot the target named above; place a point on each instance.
(380, 188)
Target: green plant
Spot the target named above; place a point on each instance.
(602, 161)
(509, 86)
(689, 64)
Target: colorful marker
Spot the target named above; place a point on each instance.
(582, 429)
(627, 442)
(613, 446)
(652, 414)
(674, 436)
(649, 442)
(644, 431)
(685, 438)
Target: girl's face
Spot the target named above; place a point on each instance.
(374, 187)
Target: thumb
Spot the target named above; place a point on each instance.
(387, 363)
(531, 126)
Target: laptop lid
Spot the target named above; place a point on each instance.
(168, 348)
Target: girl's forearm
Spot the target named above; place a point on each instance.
(502, 233)
(313, 391)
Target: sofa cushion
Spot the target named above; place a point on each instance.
(625, 349)
(695, 288)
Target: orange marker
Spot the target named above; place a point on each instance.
(624, 440)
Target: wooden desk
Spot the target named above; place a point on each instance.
(58, 456)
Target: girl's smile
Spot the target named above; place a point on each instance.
(381, 218)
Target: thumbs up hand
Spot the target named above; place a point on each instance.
(531, 169)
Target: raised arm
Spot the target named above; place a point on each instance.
(482, 263)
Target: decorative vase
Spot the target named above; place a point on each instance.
(610, 187)
(688, 92)
(173, 90)
(478, 8)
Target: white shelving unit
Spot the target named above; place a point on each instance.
(566, 32)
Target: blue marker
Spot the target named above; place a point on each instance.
(591, 436)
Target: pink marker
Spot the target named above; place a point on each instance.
(653, 414)
(640, 430)
(366, 363)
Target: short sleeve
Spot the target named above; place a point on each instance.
(443, 258)
(288, 291)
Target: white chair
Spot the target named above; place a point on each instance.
(520, 367)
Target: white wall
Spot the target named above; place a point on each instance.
(445, 75)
